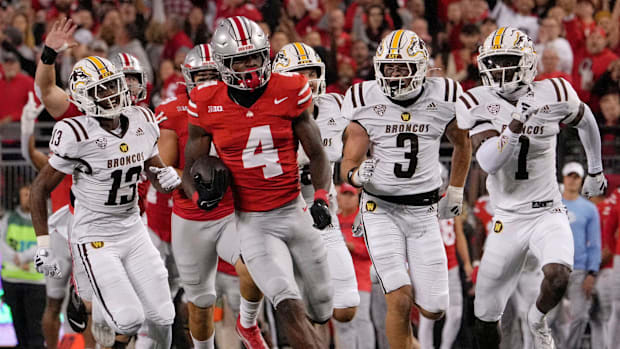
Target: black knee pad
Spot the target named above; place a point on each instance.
(487, 334)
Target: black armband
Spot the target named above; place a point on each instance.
(349, 179)
(48, 56)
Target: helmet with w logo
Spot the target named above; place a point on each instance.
(97, 88)
(406, 57)
(131, 66)
(199, 59)
(507, 60)
(238, 39)
(296, 56)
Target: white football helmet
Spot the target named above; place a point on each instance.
(234, 39)
(296, 56)
(401, 46)
(507, 60)
(97, 88)
(198, 59)
(130, 65)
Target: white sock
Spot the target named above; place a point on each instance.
(534, 315)
(206, 344)
(248, 312)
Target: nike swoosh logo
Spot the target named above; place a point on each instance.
(278, 101)
(79, 325)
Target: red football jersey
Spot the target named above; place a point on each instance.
(484, 213)
(174, 112)
(257, 144)
(446, 226)
(158, 212)
(609, 225)
(613, 224)
(361, 259)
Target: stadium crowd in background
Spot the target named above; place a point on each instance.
(578, 40)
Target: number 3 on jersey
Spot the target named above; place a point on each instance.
(267, 157)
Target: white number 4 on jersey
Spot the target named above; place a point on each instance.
(268, 157)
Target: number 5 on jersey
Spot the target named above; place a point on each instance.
(261, 140)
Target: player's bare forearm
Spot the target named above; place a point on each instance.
(356, 143)
(198, 144)
(461, 241)
(54, 98)
(461, 155)
(38, 158)
(309, 135)
(42, 186)
(168, 148)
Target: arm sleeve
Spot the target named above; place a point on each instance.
(496, 151)
(591, 140)
(593, 244)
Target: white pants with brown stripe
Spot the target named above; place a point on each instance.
(128, 279)
(406, 247)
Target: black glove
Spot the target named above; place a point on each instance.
(320, 214)
(209, 194)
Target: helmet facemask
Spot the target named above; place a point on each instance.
(104, 98)
(408, 81)
(136, 83)
(506, 70)
(196, 76)
(317, 84)
(249, 79)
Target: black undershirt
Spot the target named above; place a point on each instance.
(246, 98)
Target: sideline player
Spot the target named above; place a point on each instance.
(106, 150)
(513, 122)
(199, 237)
(255, 118)
(301, 58)
(400, 119)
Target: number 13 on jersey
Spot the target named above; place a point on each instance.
(261, 140)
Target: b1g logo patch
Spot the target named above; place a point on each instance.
(371, 206)
(97, 244)
(498, 227)
(123, 147)
(405, 116)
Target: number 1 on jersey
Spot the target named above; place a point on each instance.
(267, 157)
(522, 160)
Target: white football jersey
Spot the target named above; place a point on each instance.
(527, 182)
(106, 168)
(331, 124)
(404, 140)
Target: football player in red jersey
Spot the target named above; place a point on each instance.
(255, 119)
(198, 237)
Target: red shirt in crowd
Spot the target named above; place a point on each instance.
(246, 10)
(589, 68)
(361, 259)
(14, 94)
(555, 74)
(609, 225)
(180, 39)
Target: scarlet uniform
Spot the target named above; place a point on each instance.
(258, 146)
(484, 212)
(158, 210)
(446, 226)
(174, 111)
(198, 236)
(257, 143)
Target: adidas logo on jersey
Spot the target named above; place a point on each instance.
(431, 107)
(331, 122)
(546, 109)
(139, 132)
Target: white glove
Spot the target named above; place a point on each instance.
(524, 110)
(451, 205)
(358, 226)
(167, 177)
(594, 185)
(29, 114)
(46, 264)
(364, 172)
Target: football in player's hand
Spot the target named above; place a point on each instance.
(211, 180)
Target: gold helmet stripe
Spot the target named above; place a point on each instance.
(101, 68)
(303, 55)
(499, 35)
(396, 41)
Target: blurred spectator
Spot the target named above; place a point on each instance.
(363, 60)
(22, 22)
(313, 39)
(591, 63)
(579, 21)
(360, 330)
(549, 34)
(453, 25)
(127, 41)
(610, 137)
(558, 14)
(420, 27)
(59, 9)
(585, 225)
(462, 64)
(129, 14)
(176, 37)
(14, 88)
(474, 11)
(355, 9)
(415, 9)
(487, 26)
(84, 19)
(196, 28)
(24, 288)
(346, 76)
(373, 30)
(99, 48)
(334, 36)
(13, 41)
(109, 26)
(550, 62)
(603, 19)
(278, 40)
(156, 37)
(179, 8)
(230, 8)
(170, 78)
(305, 14)
(609, 81)
(519, 15)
